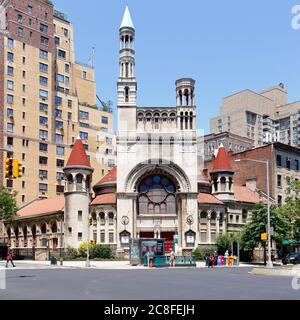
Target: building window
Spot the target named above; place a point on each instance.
(10, 56)
(43, 67)
(20, 18)
(279, 161)
(84, 75)
(10, 85)
(30, 9)
(84, 136)
(44, 41)
(79, 236)
(111, 163)
(58, 101)
(67, 67)
(43, 121)
(60, 163)
(10, 71)
(70, 231)
(43, 28)
(24, 60)
(288, 164)
(10, 141)
(66, 32)
(279, 201)
(279, 181)
(43, 147)
(297, 165)
(43, 94)
(10, 98)
(59, 138)
(60, 151)
(62, 54)
(60, 176)
(43, 54)
(20, 32)
(109, 141)
(10, 112)
(60, 189)
(43, 107)
(79, 215)
(83, 115)
(43, 174)
(102, 237)
(70, 103)
(43, 160)
(10, 43)
(58, 113)
(10, 127)
(60, 78)
(69, 116)
(43, 187)
(84, 125)
(43, 134)
(104, 120)
(111, 237)
(43, 81)
(59, 125)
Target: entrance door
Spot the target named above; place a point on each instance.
(168, 236)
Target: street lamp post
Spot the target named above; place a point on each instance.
(266, 162)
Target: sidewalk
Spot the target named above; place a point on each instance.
(104, 265)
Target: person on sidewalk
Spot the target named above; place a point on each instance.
(172, 258)
(9, 258)
(216, 257)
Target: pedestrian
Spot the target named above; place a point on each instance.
(212, 261)
(172, 258)
(9, 258)
(216, 256)
(227, 254)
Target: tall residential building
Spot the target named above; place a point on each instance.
(264, 117)
(47, 99)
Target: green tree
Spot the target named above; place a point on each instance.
(291, 208)
(251, 234)
(8, 204)
(223, 243)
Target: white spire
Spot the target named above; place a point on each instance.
(127, 21)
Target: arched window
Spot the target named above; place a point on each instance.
(102, 218)
(79, 180)
(54, 227)
(180, 98)
(8, 231)
(88, 183)
(33, 231)
(244, 216)
(191, 120)
(173, 117)
(181, 120)
(43, 229)
(25, 233)
(203, 218)
(213, 218)
(70, 180)
(216, 185)
(157, 195)
(126, 41)
(140, 117)
(111, 218)
(230, 184)
(148, 116)
(186, 97)
(156, 120)
(126, 94)
(223, 184)
(126, 70)
(16, 231)
(164, 117)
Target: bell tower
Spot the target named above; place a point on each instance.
(127, 85)
(185, 104)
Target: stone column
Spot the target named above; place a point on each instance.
(218, 224)
(208, 228)
(224, 224)
(106, 227)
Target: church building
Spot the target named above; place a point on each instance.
(158, 190)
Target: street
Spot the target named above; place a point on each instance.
(158, 284)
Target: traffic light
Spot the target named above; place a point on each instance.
(90, 221)
(9, 168)
(18, 170)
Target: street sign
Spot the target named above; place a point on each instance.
(264, 237)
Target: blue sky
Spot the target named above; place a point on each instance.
(226, 46)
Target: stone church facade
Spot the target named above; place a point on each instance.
(159, 188)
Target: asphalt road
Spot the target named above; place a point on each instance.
(164, 284)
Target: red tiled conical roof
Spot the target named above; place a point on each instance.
(222, 161)
(110, 177)
(78, 156)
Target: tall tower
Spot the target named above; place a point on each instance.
(78, 173)
(222, 176)
(185, 103)
(127, 85)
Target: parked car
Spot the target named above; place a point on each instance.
(293, 258)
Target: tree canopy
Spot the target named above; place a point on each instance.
(251, 234)
(8, 204)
